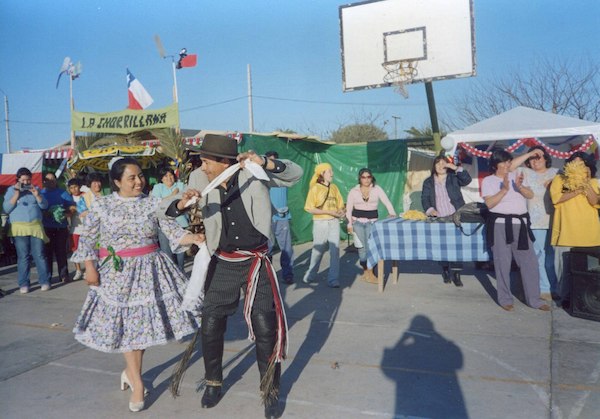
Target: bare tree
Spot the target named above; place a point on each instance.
(560, 86)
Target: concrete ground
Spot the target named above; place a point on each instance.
(420, 349)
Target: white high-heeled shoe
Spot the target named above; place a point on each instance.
(136, 406)
(125, 384)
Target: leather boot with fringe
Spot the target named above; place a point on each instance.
(265, 331)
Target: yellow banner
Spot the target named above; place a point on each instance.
(125, 122)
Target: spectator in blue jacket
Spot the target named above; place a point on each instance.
(24, 203)
(60, 204)
(280, 223)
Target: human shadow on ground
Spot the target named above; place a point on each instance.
(321, 305)
(424, 366)
(486, 277)
(241, 360)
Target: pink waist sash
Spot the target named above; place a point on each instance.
(129, 253)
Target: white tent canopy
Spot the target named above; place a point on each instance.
(522, 122)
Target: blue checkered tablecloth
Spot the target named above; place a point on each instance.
(400, 239)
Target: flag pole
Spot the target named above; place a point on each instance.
(72, 108)
(175, 95)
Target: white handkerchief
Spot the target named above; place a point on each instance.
(257, 171)
(191, 202)
(221, 178)
(193, 300)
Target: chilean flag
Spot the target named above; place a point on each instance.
(139, 98)
(188, 60)
(10, 163)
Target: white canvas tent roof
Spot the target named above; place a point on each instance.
(522, 122)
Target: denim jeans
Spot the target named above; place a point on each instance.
(563, 274)
(29, 247)
(545, 256)
(326, 233)
(283, 236)
(178, 258)
(363, 231)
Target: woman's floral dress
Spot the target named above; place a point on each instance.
(137, 306)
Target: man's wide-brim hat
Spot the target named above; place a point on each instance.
(219, 146)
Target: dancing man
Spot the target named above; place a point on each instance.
(237, 217)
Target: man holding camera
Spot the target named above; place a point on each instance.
(24, 203)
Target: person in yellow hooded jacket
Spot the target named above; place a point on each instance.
(324, 201)
(575, 193)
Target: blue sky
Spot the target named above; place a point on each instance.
(292, 46)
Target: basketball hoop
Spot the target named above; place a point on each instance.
(400, 73)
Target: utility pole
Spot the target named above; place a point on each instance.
(250, 113)
(396, 118)
(6, 121)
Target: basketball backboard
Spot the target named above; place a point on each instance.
(413, 40)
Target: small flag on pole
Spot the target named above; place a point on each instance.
(67, 67)
(186, 60)
(139, 98)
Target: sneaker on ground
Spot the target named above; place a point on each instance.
(45, 287)
(78, 275)
(306, 280)
(24, 290)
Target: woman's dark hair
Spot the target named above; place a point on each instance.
(546, 156)
(93, 177)
(118, 168)
(437, 159)
(499, 155)
(23, 171)
(72, 182)
(366, 170)
(588, 160)
(164, 170)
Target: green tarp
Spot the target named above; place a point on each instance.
(387, 160)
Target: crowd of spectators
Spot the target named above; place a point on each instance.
(537, 214)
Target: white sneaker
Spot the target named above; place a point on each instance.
(78, 275)
(24, 290)
(45, 287)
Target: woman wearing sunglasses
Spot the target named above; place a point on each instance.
(361, 212)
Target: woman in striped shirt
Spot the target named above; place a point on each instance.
(441, 197)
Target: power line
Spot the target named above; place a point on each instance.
(12, 121)
(335, 103)
(214, 104)
(281, 99)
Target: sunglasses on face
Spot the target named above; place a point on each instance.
(534, 158)
(366, 177)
